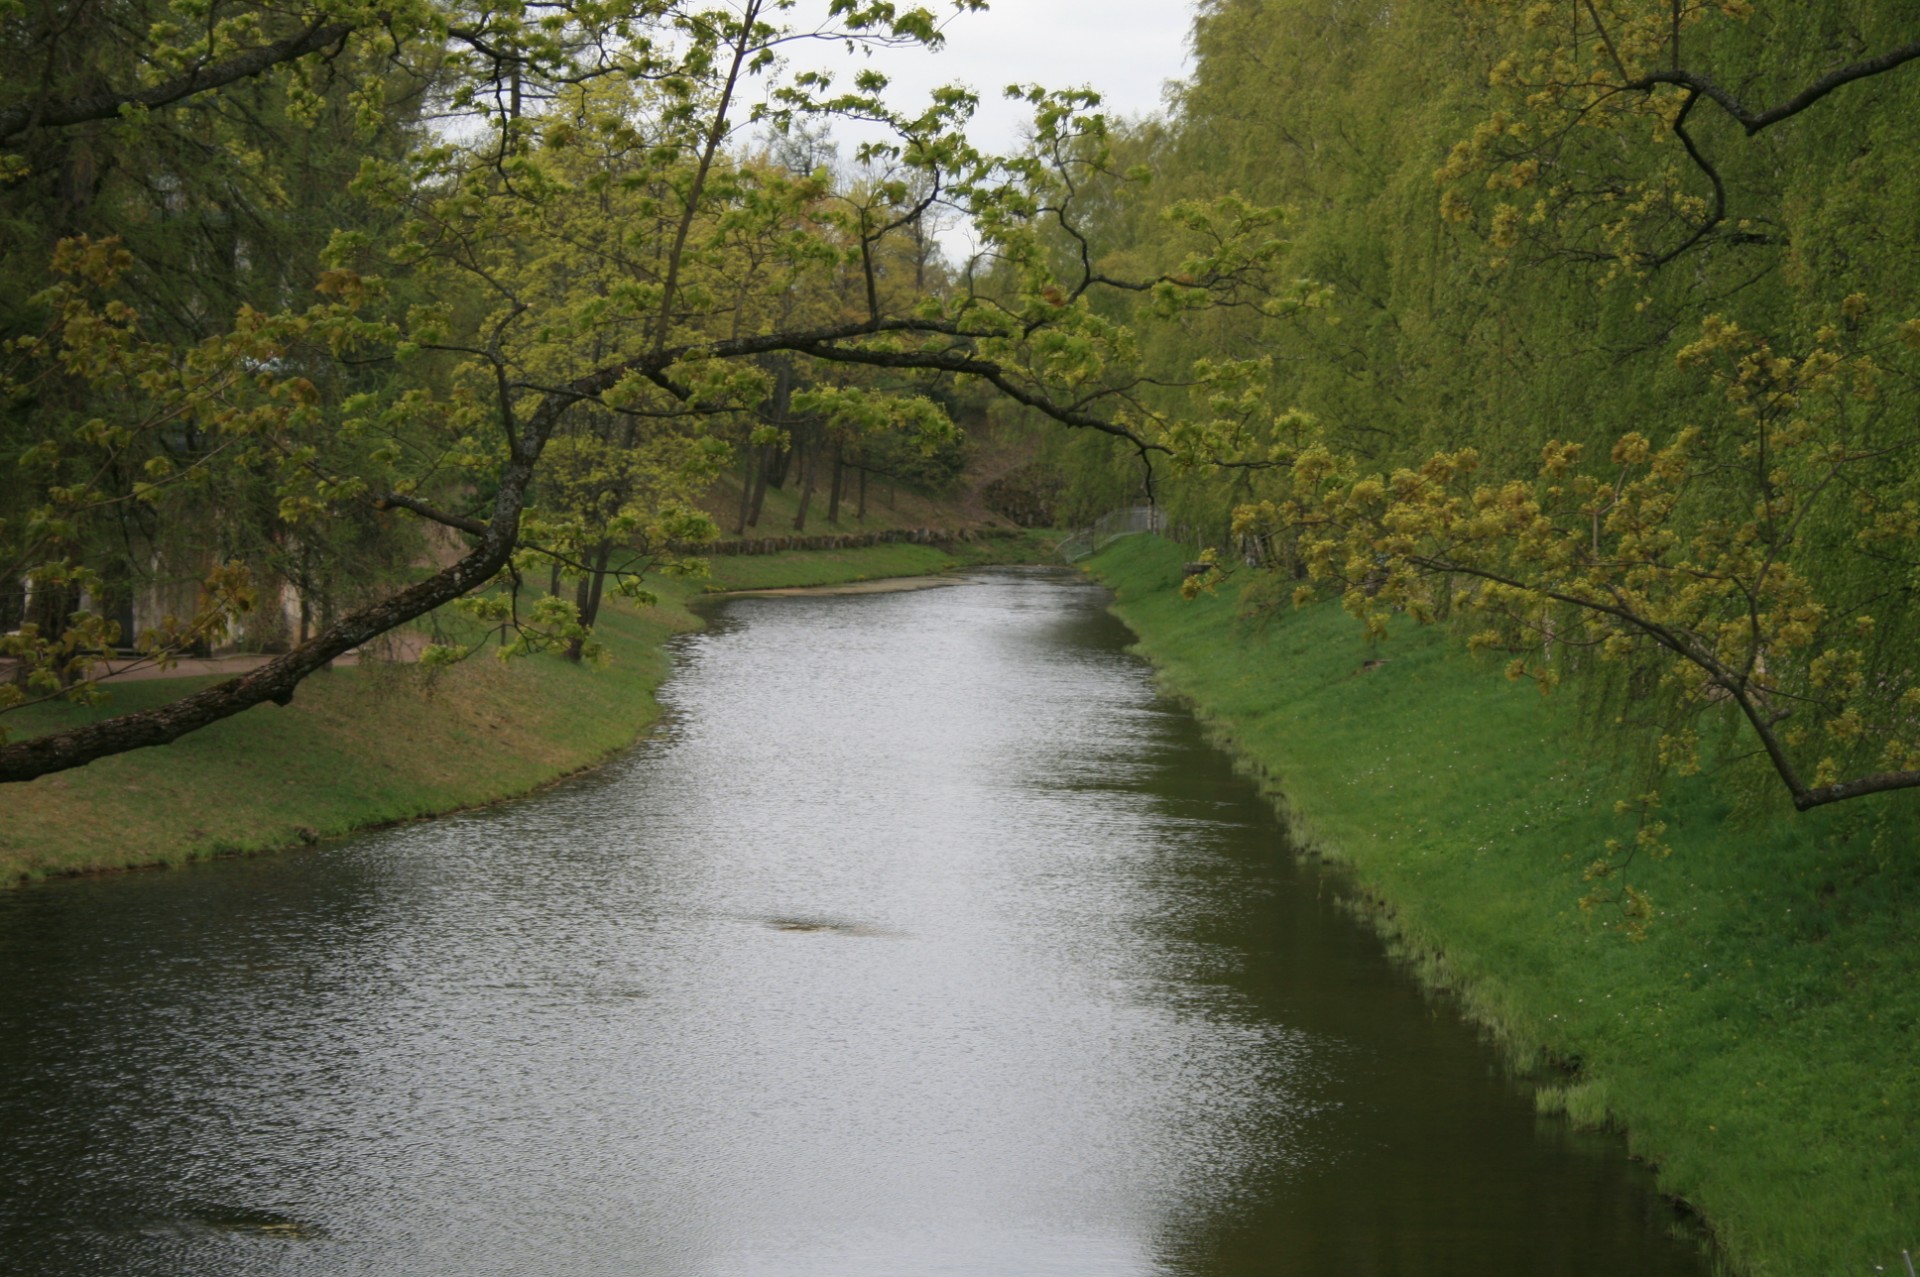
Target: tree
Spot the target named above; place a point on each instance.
(1583, 86)
(1760, 567)
(544, 309)
(1628, 408)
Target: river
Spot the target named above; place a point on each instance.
(924, 939)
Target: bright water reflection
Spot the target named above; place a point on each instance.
(927, 941)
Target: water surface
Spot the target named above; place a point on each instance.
(926, 940)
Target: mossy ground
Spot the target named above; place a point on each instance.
(368, 746)
(1759, 1046)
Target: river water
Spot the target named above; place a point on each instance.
(926, 939)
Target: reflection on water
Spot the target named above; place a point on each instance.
(927, 941)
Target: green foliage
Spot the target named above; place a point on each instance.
(541, 332)
(1543, 238)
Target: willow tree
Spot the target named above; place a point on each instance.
(1724, 524)
(1624, 360)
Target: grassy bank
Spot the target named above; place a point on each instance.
(361, 747)
(873, 563)
(1759, 1046)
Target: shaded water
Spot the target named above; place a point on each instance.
(927, 940)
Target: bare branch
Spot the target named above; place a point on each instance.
(1755, 121)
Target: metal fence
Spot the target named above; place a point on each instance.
(1110, 527)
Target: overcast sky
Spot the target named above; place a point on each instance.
(1125, 49)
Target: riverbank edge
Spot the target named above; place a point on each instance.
(367, 749)
(1751, 1088)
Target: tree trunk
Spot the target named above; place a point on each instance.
(777, 415)
(581, 589)
(586, 598)
(833, 499)
(760, 484)
(49, 608)
(862, 515)
(326, 622)
(600, 560)
(749, 479)
(809, 469)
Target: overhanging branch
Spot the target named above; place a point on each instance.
(1738, 687)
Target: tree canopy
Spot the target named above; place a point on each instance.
(1588, 327)
(1614, 366)
(339, 292)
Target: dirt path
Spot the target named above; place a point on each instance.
(405, 648)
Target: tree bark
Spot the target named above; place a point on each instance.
(586, 599)
(833, 498)
(749, 480)
(809, 468)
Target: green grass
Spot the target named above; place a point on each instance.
(362, 747)
(871, 563)
(357, 747)
(1759, 1046)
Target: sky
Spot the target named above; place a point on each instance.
(1125, 49)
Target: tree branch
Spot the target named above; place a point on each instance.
(107, 106)
(398, 501)
(1737, 688)
(1755, 121)
(1701, 162)
(277, 680)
